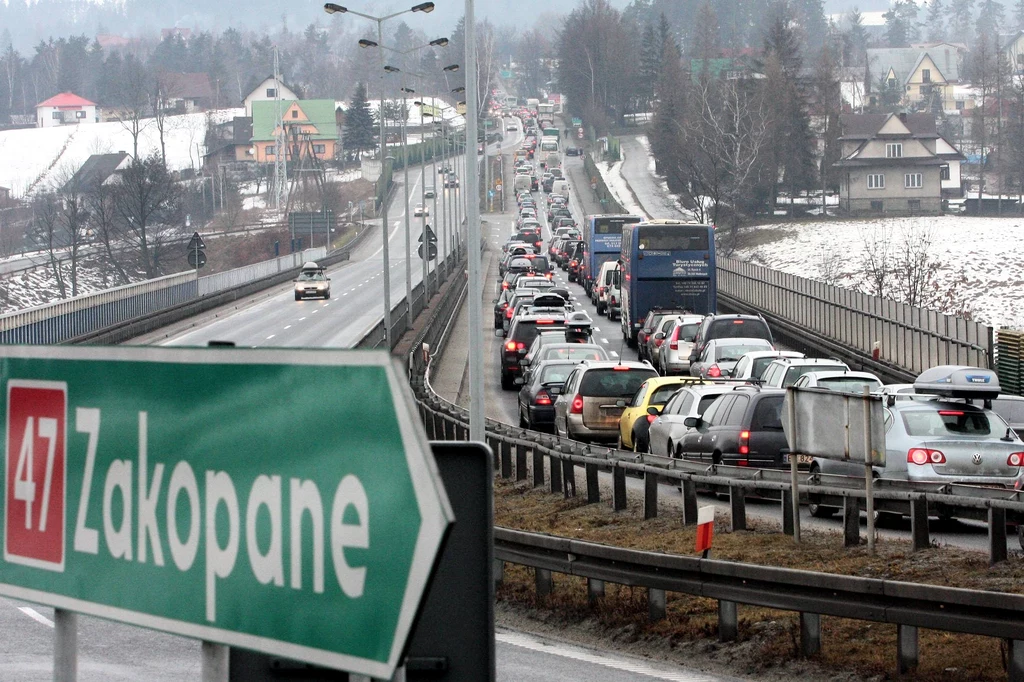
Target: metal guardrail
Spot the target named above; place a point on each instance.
(267, 268)
(909, 606)
(911, 339)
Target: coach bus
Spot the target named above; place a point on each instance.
(665, 264)
(602, 242)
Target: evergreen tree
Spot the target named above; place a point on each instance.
(650, 64)
(959, 22)
(668, 111)
(1018, 15)
(901, 23)
(359, 128)
(991, 18)
(856, 38)
(935, 24)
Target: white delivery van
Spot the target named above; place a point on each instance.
(522, 182)
(560, 187)
(607, 284)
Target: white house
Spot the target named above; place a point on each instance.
(267, 90)
(64, 109)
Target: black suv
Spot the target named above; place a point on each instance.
(729, 327)
(742, 427)
(517, 342)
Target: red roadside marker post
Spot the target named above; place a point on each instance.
(705, 530)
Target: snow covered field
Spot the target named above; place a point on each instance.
(31, 157)
(980, 258)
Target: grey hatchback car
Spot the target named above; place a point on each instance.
(594, 396)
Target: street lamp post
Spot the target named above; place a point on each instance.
(476, 351)
(425, 7)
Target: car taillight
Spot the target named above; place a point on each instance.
(543, 398)
(612, 301)
(714, 371)
(658, 342)
(511, 345)
(744, 442)
(651, 418)
(600, 290)
(1015, 460)
(577, 405)
(925, 456)
(504, 285)
(673, 344)
(508, 313)
(549, 275)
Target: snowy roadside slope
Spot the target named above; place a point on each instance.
(985, 251)
(28, 154)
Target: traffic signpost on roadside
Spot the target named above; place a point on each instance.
(195, 251)
(201, 493)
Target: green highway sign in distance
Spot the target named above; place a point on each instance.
(284, 501)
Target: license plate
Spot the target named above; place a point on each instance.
(800, 459)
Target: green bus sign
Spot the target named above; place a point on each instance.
(284, 501)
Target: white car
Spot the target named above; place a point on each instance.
(421, 210)
(752, 365)
(667, 429)
(312, 281)
(720, 356)
(841, 382)
(784, 373)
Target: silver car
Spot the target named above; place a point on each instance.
(720, 356)
(841, 382)
(594, 396)
(673, 356)
(752, 365)
(668, 429)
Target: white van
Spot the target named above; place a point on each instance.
(522, 182)
(607, 286)
(560, 187)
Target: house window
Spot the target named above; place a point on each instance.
(876, 181)
(271, 92)
(79, 114)
(319, 149)
(914, 205)
(944, 173)
(295, 113)
(913, 181)
(876, 206)
(926, 75)
(891, 82)
(271, 150)
(959, 105)
(894, 150)
(56, 115)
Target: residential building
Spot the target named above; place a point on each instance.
(185, 93)
(895, 164)
(923, 78)
(99, 170)
(67, 108)
(739, 67)
(1013, 50)
(310, 128)
(267, 90)
(230, 142)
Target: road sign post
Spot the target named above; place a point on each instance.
(199, 492)
(195, 251)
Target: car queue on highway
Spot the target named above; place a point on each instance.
(706, 386)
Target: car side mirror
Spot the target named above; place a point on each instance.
(659, 336)
(653, 410)
(499, 333)
(328, 279)
(693, 357)
(692, 422)
(620, 403)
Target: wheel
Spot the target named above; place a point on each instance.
(506, 381)
(638, 444)
(669, 451)
(297, 297)
(522, 422)
(600, 308)
(818, 511)
(327, 296)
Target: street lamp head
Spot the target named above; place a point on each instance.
(439, 42)
(367, 43)
(331, 8)
(425, 7)
(451, 68)
(392, 69)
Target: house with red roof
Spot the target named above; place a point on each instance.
(67, 108)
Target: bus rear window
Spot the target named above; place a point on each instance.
(612, 225)
(673, 238)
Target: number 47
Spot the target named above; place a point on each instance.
(24, 481)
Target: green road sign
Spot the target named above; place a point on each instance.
(577, 121)
(284, 501)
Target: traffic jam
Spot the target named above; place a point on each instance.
(687, 381)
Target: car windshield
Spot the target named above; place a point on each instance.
(614, 383)
(945, 423)
(849, 384)
(311, 276)
(795, 373)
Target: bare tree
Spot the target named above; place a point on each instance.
(46, 224)
(72, 219)
(133, 103)
(104, 224)
(147, 201)
(877, 261)
(915, 266)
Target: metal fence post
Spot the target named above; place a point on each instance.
(595, 590)
(689, 490)
(506, 459)
(593, 487)
(727, 625)
(556, 473)
(650, 495)
(851, 522)
(737, 509)
(810, 634)
(568, 478)
(919, 522)
(498, 572)
(788, 524)
(906, 648)
(996, 535)
(656, 604)
(520, 462)
(65, 646)
(618, 489)
(544, 582)
(1015, 649)
(538, 468)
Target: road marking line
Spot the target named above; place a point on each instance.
(605, 341)
(270, 337)
(36, 616)
(301, 319)
(597, 329)
(288, 327)
(614, 354)
(316, 311)
(562, 651)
